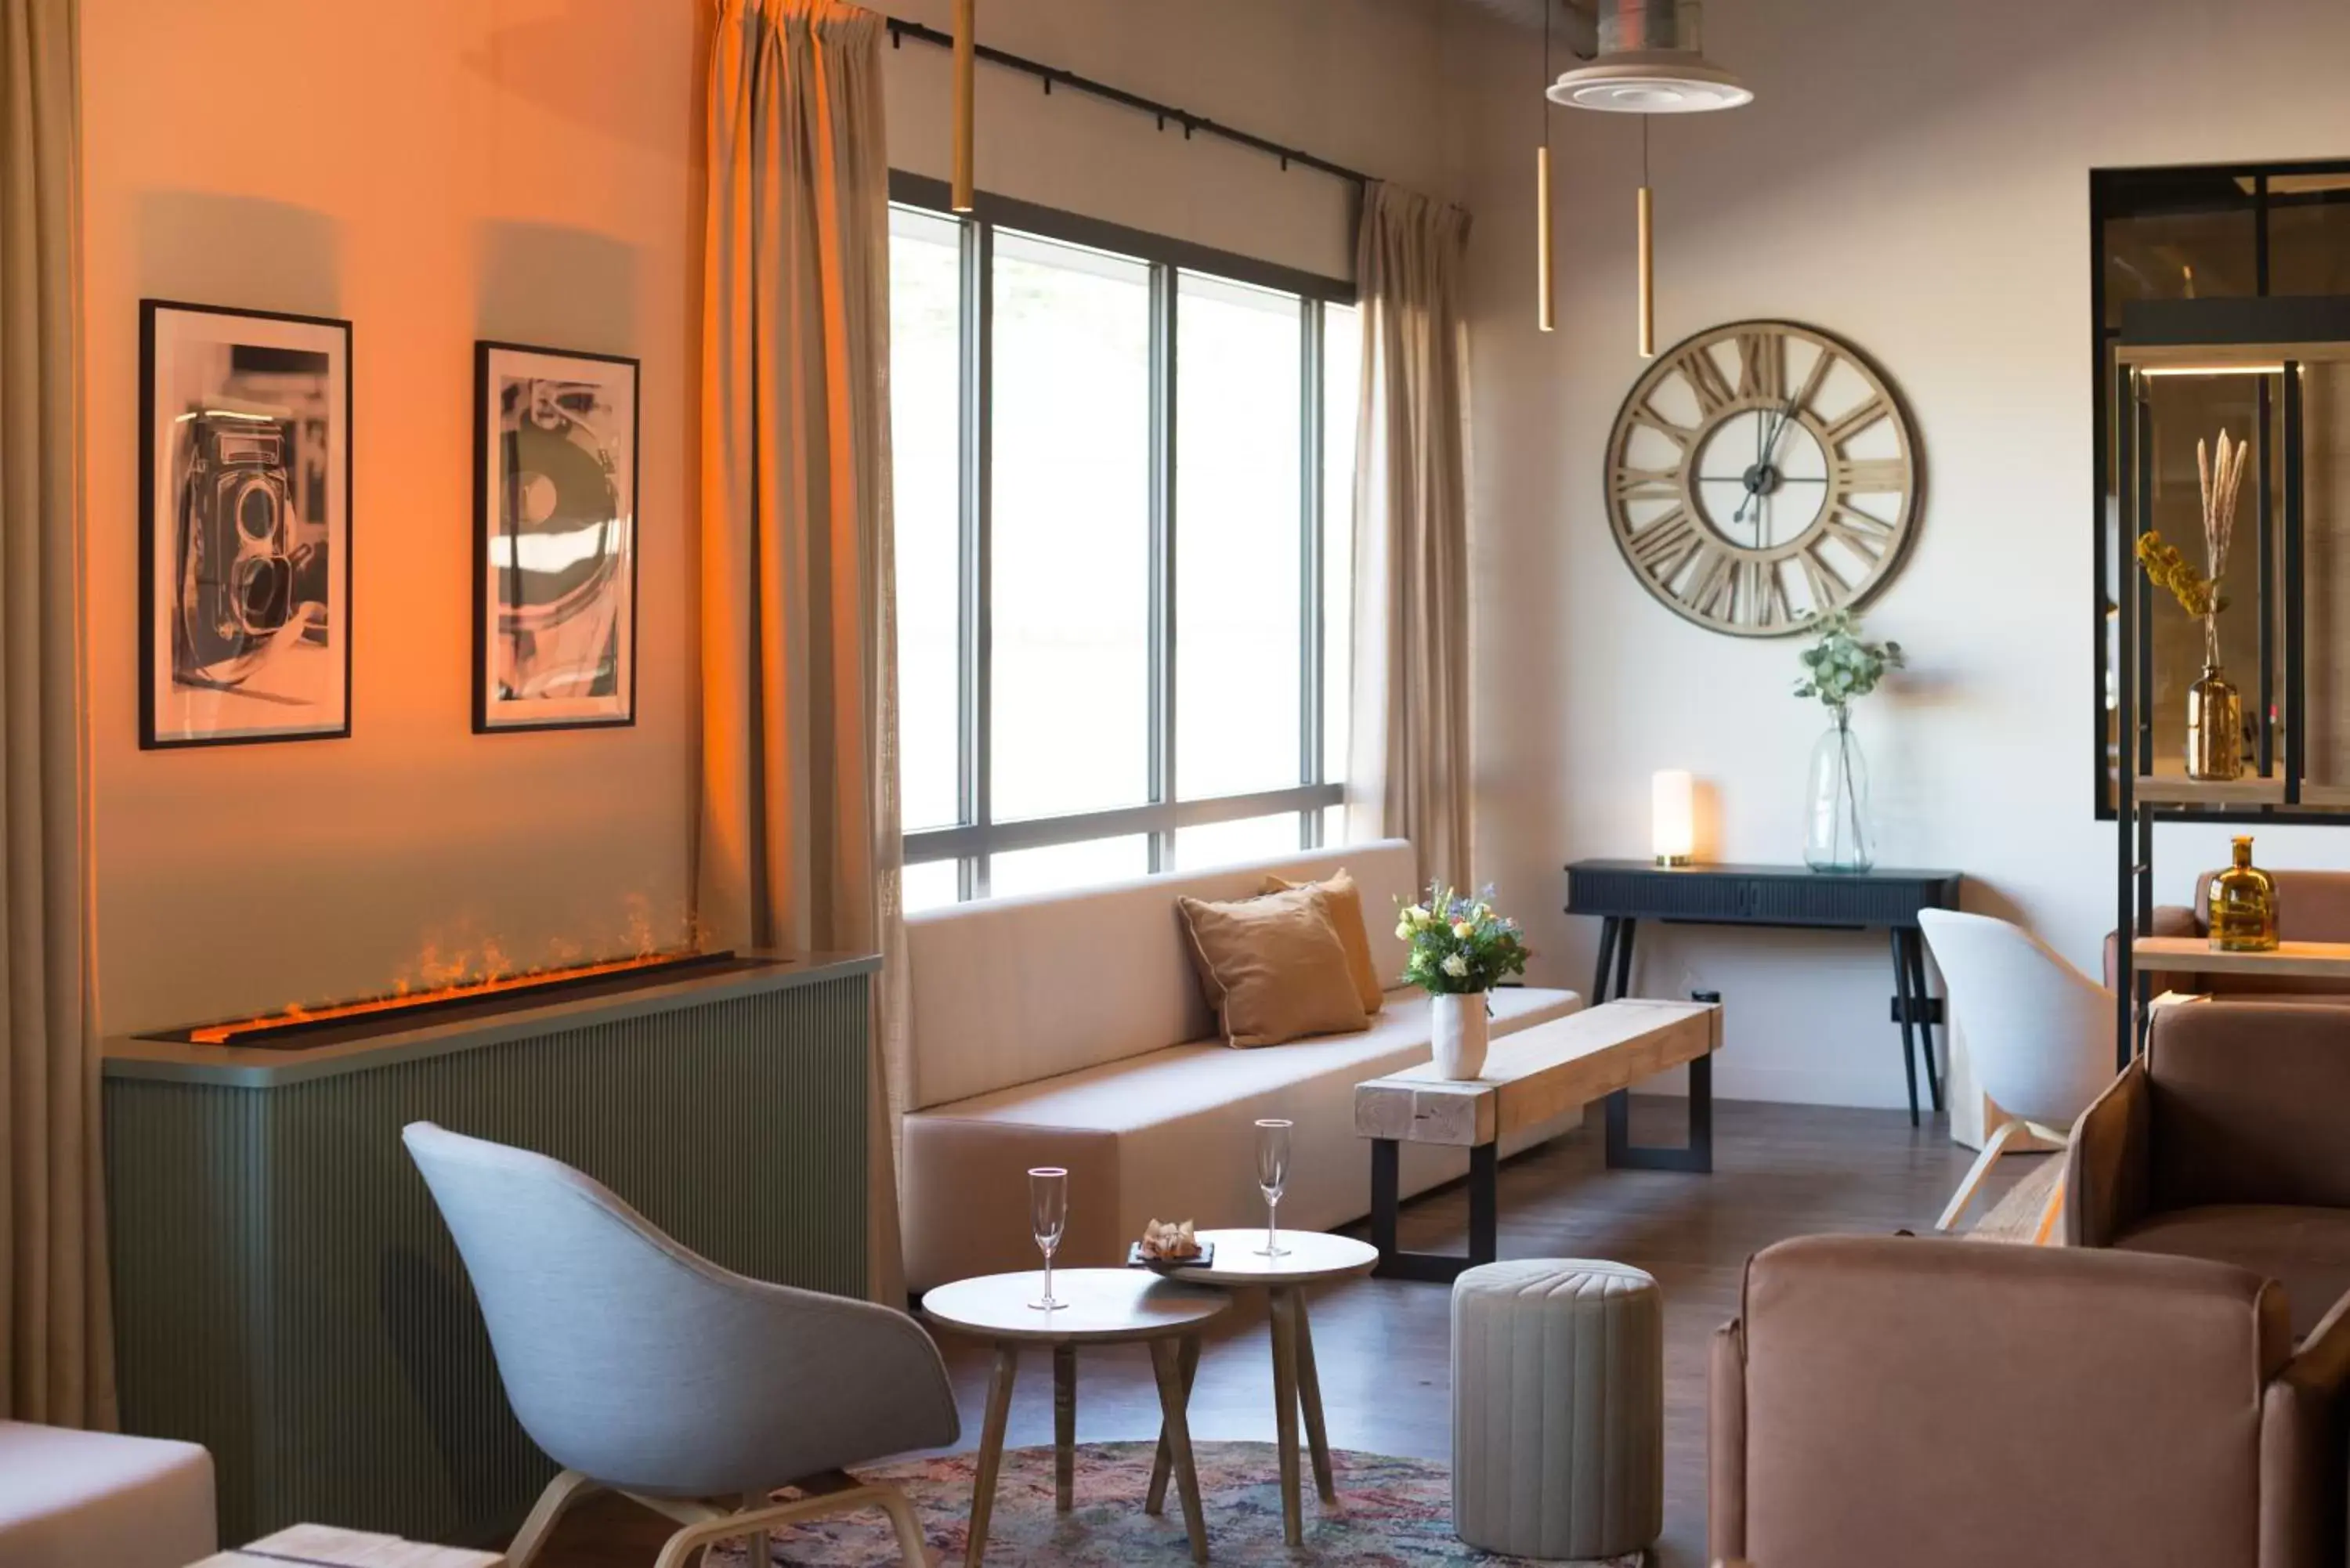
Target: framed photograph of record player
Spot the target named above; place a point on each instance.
(555, 538)
(245, 525)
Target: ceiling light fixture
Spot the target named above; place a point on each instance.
(1651, 61)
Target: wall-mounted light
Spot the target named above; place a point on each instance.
(1672, 816)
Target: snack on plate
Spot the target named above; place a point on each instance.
(1169, 1241)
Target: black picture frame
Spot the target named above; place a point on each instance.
(170, 707)
(495, 713)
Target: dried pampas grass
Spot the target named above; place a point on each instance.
(2220, 486)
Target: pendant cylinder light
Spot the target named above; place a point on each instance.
(1652, 61)
(965, 63)
(1546, 291)
(1647, 274)
(1546, 279)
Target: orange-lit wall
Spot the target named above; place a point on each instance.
(435, 170)
(443, 170)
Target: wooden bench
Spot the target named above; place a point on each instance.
(1532, 1077)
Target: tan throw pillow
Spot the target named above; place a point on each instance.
(1346, 919)
(1272, 967)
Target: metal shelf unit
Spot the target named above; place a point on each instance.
(2279, 339)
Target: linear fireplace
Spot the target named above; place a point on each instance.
(297, 1027)
(287, 1294)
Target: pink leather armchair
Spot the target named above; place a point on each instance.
(1943, 1404)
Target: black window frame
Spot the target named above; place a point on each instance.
(978, 836)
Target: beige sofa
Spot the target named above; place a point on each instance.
(1069, 1030)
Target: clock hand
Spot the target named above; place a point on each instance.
(1763, 435)
(1767, 448)
(1771, 447)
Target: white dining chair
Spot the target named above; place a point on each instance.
(2039, 1032)
(644, 1369)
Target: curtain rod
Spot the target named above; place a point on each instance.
(1051, 75)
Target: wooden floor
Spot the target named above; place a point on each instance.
(1779, 1171)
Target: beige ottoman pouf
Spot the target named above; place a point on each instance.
(1558, 1408)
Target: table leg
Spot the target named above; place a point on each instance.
(1607, 960)
(1285, 1412)
(1484, 1202)
(1187, 1364)
(1064, 1425)
(1923, 1003)
(1901, 1005)
(1387, 1195)
(990, 1450)
(1623, 958)
(1166, 1363)
(1309, 1393)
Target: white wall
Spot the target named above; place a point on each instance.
(1912, 176)
(1358, 82)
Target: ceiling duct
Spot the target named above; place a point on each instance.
(1572, 19)
(1652, 61)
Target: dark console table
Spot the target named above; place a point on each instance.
(1623, 893)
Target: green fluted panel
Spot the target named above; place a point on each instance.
(286, 1295)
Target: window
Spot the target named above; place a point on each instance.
(1124, 475)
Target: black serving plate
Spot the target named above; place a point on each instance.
(1135, 1260)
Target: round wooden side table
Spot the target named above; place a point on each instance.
(1314, 1258)
(1105, 1306)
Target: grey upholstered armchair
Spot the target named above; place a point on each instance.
(646, 1370)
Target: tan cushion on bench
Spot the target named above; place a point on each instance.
(1345, 907)
(1272, 967)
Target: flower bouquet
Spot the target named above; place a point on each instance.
(1459, 949)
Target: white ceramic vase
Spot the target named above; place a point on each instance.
(1460, 1032)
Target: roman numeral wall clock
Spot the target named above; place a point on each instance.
(1759, 473)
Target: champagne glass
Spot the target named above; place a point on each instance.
(1272, 1176)
(1049, 1215)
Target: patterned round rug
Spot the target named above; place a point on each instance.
(1390, 1513)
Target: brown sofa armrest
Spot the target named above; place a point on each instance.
(2301, 1448)
(2108, 1163)
(2169, 920)
(1725, 1447)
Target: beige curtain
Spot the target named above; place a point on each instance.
(58, 1365)
(1409, 772)
(800, 847)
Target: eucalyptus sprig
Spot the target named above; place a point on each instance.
(1843, 667)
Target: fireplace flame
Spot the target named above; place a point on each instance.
(481, 969)
(463, 990)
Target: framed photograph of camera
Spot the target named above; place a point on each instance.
(245, 525)
(555, 538)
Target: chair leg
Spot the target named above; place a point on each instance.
(2049, 1214)
(1993, 1146)
(755, 1522)
(757, 1552)
(553, 1503)
(912, 1548)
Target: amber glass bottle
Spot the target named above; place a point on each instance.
(2243, 906)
